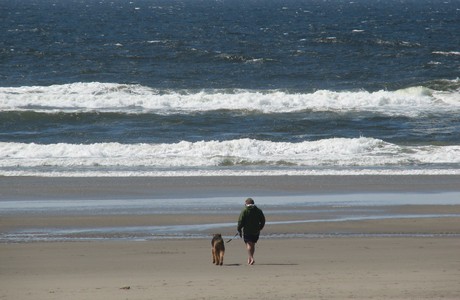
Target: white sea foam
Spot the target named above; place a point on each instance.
(447, 53)
(242, 156)
(111, 97)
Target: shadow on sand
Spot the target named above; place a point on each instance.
(273, 264)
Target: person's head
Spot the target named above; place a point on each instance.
(249, 202)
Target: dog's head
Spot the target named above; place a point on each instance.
(216, 238)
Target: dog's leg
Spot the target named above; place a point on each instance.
(217, 257)
(213, 255)
(221, 258)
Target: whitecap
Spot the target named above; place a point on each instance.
(128, 98)
(240, 156)
(447, 53)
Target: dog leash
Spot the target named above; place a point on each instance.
(232, 237)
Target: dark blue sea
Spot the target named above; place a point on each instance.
(254, 87)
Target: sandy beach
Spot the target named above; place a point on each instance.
(331, 268)
(374, 258)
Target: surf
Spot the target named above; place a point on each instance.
(237, 157)
(136, 99)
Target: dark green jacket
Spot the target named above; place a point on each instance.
(251, 220)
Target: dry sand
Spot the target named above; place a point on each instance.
(327, 268)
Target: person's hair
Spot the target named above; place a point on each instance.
(249, 201)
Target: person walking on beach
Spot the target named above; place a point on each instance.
(250, 223)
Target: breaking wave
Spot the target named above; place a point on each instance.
(222, 157)
(125, 98)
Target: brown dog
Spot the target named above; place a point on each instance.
(218, 249)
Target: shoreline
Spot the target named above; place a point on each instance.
(55, 209)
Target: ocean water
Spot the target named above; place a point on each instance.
(201, 87)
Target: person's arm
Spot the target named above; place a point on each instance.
(241, 223)
(262, 220)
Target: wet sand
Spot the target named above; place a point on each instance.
(235, 186)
